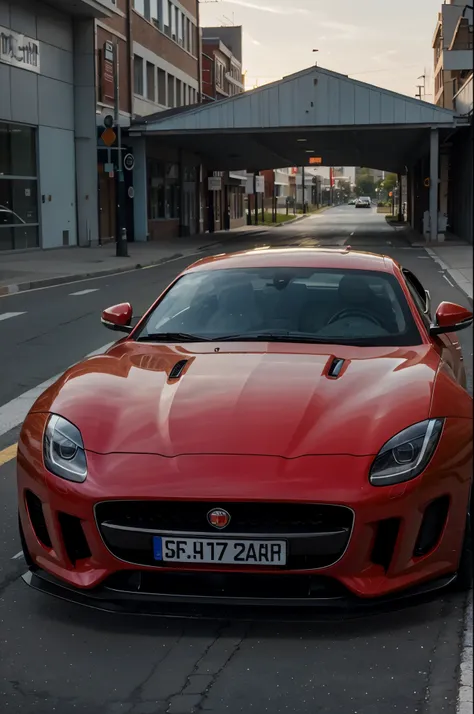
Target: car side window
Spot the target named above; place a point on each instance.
(418, 294)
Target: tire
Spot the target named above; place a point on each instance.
(464, 577)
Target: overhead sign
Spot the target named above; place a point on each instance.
(214, 183)
(128, 162)
(17, 50)
(315, 160)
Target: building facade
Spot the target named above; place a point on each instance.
(158, 47)
(453, 71)
(452, 46)
(47, 122)
(222, 78)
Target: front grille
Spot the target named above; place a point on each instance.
(35, 511)
(317, 535)
(226, 585)
(191, 516)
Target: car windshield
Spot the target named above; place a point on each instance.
(365, 308)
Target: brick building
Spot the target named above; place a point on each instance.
(159, 55)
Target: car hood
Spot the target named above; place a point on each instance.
(272, 399)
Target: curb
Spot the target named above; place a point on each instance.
(465, 695)
(74, 278)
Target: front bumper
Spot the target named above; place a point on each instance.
(132, 602)
(380, 561)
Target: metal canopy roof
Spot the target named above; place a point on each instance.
(342, 120)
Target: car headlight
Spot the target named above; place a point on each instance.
(63, 450)
(405, 456)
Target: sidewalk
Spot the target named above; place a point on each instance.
(456, 261)
(38, 268)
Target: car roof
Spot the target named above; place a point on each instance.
(345, 258)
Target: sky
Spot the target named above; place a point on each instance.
(374, 41)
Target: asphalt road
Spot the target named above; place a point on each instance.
(55, 657)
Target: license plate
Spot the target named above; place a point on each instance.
(201, 550)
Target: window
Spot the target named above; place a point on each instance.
(138, 75)
(18, 188)
(171, 97)
(174, 13)
(180, 28)
(156, 189)
(157, 13)
(167, 8)
(188, 35)
(179, 99)
(298, 304)
(418, 294)
(142, 7)
(162, 87)
(150, 81)
(163, 190)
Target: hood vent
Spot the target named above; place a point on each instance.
(178, 368)
(335, 368)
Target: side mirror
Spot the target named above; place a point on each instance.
(451, 318)
(118, 317)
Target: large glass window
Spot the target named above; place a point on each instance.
(18, 188)
(163, 190)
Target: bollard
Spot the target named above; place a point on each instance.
(121, 248)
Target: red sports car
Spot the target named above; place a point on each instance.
(282, 427)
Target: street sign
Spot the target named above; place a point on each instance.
(108, 136)
(128, 162)
(260, 184)
(214, 183)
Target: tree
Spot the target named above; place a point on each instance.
(365, 185)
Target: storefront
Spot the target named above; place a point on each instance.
(47, 124)
(19, 224)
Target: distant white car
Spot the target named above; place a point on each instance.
(363, 202)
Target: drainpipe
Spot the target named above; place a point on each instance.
(130, 55)
(199, 53)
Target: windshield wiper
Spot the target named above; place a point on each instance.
(171, 337)
(270, 337)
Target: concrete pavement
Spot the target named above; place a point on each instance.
(56, 657)
(35, 269)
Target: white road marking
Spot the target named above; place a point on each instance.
(448, 281)
(99, 277)
(14, 412)
(18, 556)
(352, 233)
(464, 703)
(85, 292)
(389, 242)
(7, 315)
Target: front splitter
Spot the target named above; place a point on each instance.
(226, 608)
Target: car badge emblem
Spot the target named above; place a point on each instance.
(218, 518)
